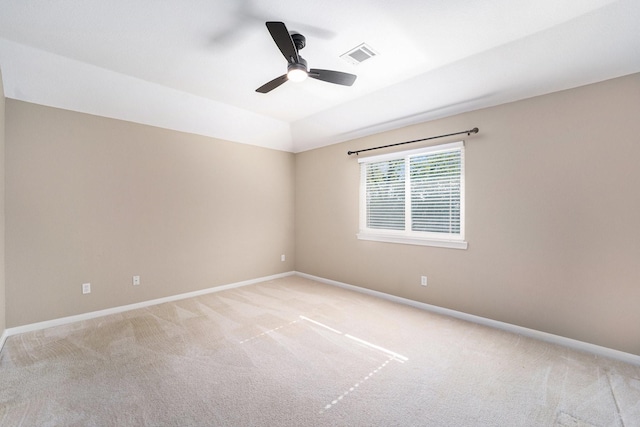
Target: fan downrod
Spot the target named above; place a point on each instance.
(298, 40)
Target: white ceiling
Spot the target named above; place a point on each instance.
(194, 65)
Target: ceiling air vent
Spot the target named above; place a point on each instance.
(359, 54)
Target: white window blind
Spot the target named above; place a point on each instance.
(385, 187)
(414, 197)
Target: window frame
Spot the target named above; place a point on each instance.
(453, 241)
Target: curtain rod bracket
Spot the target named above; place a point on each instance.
(468, 132)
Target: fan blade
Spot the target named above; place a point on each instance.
(331, 76)
(268, 87)
(283, 40)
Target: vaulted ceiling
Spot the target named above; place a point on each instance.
(194, 65)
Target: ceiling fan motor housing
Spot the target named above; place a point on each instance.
(298, 40)
(301, 64)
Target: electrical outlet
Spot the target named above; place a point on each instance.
(136, 280)
(282, 258)
(423, 280)
(86, 288)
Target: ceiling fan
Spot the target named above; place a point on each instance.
(290, 44)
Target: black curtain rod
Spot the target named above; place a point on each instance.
(468, 132)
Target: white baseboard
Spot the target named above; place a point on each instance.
(95, 314)
(532, 333)
(3, 338)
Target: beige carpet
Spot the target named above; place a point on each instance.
(293, 352)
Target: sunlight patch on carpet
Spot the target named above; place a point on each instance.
(355, 386)
(391, 355)
(270, 331)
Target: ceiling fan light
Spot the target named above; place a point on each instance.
(297, 73)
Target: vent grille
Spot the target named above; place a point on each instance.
(359, 54)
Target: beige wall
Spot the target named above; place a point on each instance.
(2, 277)
(552, 211)
(552, 215)
(91, 199)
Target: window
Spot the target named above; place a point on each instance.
(414, 197)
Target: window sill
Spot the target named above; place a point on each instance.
(451, 244)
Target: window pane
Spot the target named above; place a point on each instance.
(414, 196)
(385, 195)
(435, 192)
